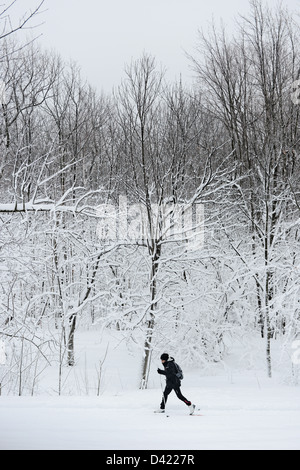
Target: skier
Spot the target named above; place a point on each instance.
(172, 383)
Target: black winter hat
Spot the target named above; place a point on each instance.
(164, 357)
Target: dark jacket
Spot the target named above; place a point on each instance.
(170, 373)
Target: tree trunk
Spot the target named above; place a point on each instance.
(148, 353)
(71, 355)
(268, 332)
(151, 322)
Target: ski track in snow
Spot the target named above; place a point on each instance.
(233, 418)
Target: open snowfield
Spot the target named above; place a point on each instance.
(234, 417)
(242, 409)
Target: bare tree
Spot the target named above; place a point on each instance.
(9, 26)
(167, 164)
(248, 80)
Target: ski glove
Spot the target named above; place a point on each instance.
(160, 371)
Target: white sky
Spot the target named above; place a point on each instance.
(103, 35)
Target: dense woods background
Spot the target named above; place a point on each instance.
(229, 144)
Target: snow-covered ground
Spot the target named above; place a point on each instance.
(234, 417)
(241, 409)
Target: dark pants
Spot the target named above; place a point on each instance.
(167, 392)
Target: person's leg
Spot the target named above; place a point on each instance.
(166, 393)
(181, 397)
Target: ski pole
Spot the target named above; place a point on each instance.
(163, 393)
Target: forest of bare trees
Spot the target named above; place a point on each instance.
(226, 148)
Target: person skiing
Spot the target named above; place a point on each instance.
(172, 383)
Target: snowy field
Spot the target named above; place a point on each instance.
(234, 417)
(241, 409)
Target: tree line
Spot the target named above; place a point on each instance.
(228, 144)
